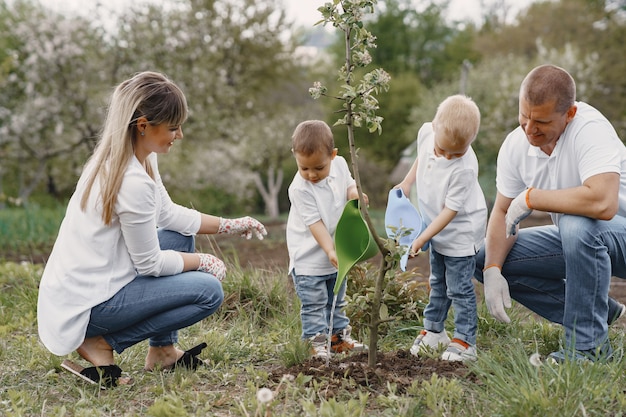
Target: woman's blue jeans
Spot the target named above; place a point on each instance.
(316, 299)
(451, 285)
(564, 275)
(156, 308)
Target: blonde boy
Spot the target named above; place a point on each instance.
(453, 206)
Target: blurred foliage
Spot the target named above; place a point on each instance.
(246, 77)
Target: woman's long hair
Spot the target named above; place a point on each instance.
(147, 94)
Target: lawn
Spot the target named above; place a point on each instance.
(257, 366)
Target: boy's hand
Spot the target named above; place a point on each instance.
(332, 257)
(244, 226)
(416, 247)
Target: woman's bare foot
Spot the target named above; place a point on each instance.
(97, 351)
(163, 357)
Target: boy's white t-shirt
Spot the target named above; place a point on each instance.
(588, 146)
(90, 261)
(310, 203)
(451, 183)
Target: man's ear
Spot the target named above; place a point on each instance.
(571, 112)
(334, 154)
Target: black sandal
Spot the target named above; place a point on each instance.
(190, 359)
(105, 376)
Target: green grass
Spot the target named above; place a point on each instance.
(28, 230)
(257, 330)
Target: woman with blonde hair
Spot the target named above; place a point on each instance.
(123, 267)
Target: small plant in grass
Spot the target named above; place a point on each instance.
(403, 297)
(297, 351)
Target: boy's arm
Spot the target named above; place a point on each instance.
(353, 194)
(442, 220)
(323, 238)
(409, 179)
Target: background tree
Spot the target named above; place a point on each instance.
(53, 69)
(238, 62)
(233, 60)
(420, 49)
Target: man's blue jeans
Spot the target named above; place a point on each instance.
(156, 308)
(564, 275)
(316, 299)
(451, 285)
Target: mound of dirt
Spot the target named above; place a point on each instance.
(399, 368)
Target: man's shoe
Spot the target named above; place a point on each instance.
(459, 351)
(602, 354)
(428, 341)
(622, 313)
(343, 343)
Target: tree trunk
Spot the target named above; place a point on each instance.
(270, 194)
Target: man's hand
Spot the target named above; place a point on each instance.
(497, 294)
(518, 211)
(243, 226)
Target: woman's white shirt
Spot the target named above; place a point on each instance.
(90, 261)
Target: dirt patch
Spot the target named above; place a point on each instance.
(399, 368)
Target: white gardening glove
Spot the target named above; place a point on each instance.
(518, 211)
(243, 226)
(497, 294)
(212, 265)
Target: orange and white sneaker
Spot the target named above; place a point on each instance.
(428, 341)
(318, 346)
(343, 343)
(459, 351)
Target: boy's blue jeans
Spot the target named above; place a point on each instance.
(157, 307)
(451, 285)
(564, 274)
(316, 299)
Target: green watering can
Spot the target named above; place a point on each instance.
(353, 241)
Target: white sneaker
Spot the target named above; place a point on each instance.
(318, 346)
(429, 341)
(458, 350)
(343, 343)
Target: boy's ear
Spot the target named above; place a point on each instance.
(334, 154)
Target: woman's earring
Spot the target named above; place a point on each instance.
(143, 133)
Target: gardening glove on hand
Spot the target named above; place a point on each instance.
(518, 211)
(212, 265)
(497, 294)
(243, 226)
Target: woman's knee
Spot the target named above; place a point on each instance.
(212, 293)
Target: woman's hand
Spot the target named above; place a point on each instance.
(212, 265)
(243, 226)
